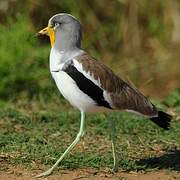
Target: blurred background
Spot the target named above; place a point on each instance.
(139, 40)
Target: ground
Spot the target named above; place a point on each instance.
(32, 138)
(19, 173)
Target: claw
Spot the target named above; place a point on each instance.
(114, 170)
(44, 174)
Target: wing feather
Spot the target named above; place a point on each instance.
(87, 85)
(121, 95)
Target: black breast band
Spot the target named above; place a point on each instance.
(86, 85)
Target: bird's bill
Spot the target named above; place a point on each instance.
(49, 31)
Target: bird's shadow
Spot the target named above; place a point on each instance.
(170, 160)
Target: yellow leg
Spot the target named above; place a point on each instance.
(113, 142)
(78, 137)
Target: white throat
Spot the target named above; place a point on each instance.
(58, 58)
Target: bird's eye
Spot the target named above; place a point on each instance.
(56, 24)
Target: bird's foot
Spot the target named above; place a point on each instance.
(46, 173)
(114, 170)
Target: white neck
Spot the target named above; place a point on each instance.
(58, 58)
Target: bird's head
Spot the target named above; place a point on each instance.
(64, 31)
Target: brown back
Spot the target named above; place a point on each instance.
(123, 96)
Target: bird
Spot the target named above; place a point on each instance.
(88, 84)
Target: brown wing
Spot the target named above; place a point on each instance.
(123, 96)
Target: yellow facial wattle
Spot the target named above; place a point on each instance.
(49, 31)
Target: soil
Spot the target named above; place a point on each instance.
(19, 173)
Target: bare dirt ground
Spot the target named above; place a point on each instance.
(19, 173)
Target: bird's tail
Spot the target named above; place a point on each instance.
(162, 120)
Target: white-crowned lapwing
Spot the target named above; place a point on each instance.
(88, 84)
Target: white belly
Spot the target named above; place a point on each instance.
(72, 93)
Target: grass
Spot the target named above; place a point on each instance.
(40, 137)
(24, 68)
(24, 62)
(35, 127)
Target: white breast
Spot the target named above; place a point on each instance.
(58, 58)
(55, 59)
(72, 93)
(66, 85)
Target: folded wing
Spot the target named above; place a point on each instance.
(117, 93)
